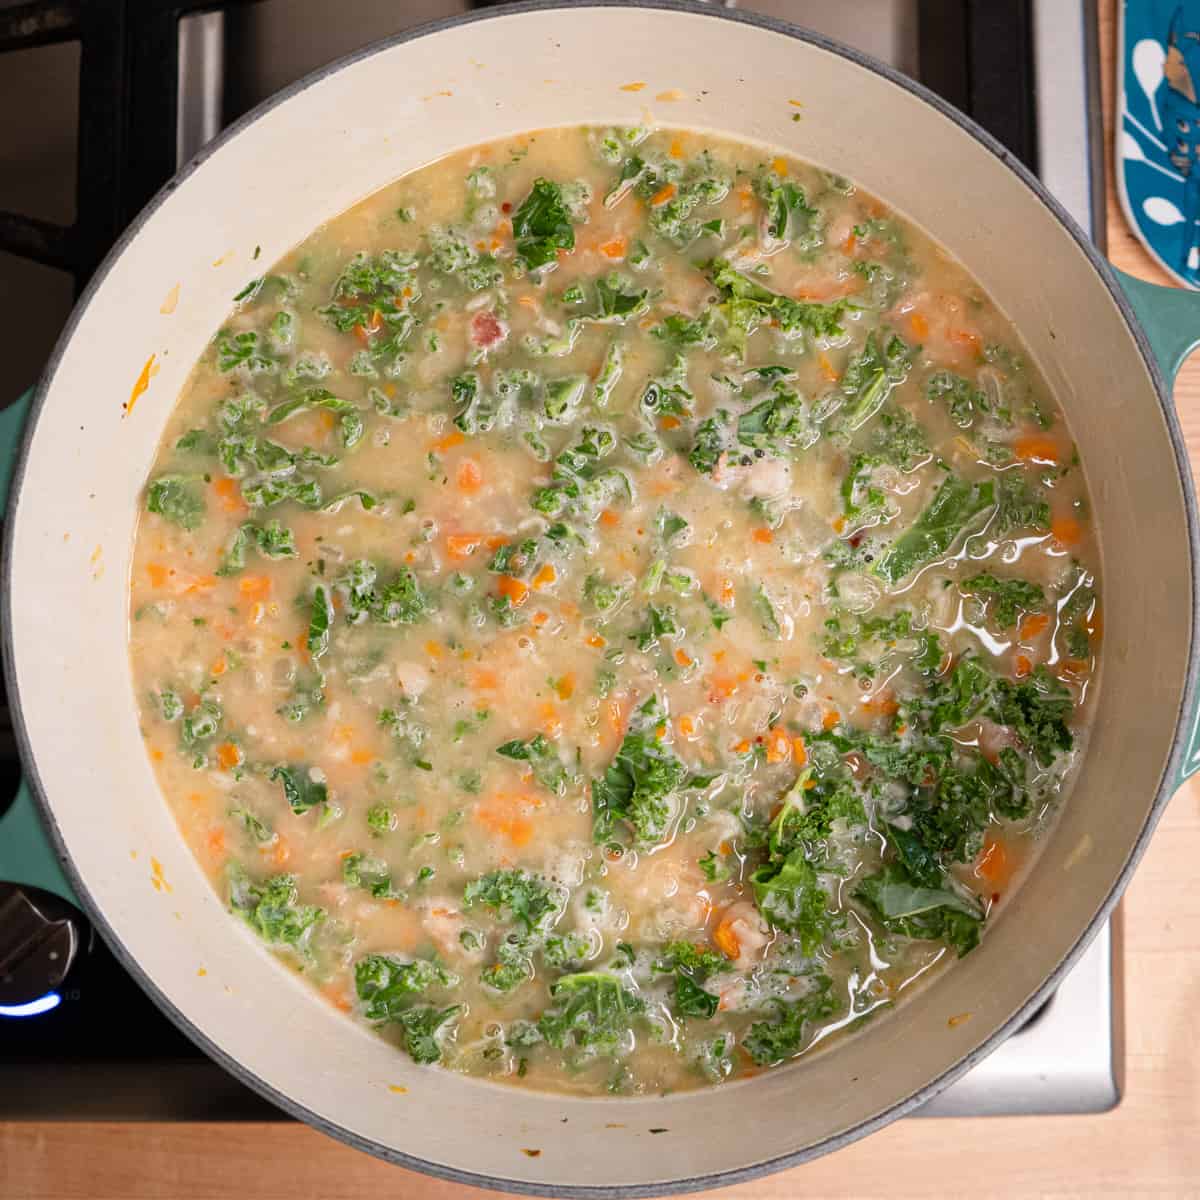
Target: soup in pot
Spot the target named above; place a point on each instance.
(614, 609)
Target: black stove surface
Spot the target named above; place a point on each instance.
(95, 1046)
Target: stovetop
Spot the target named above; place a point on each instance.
(95, 1046)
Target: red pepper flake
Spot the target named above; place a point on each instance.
(531, 1153)
(506, 208)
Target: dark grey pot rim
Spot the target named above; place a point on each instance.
(900, 1108)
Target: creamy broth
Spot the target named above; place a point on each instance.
(615, 608)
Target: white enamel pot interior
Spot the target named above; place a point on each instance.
(298, 162)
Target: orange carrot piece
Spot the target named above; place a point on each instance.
(565, 687)
(662, 195)
(469, 476)
(227, 491)
(1037, 448)
(726, 940)
(228, 756)
(763, 536)
(254, 587)
(615, 248)
(1032, 625)
(831, 719)
(968, 340)
(504, 815)
(799, 751)
(515, 589)
(452, 439)
(995, 862)
(1066, 530)
(546, 577)
(374, 325)
(683, 658)
(551, 721)
(158, 574)
(610, 519)
(779, 746)
(336, 993)
(920, 326)
(461, 546)
(1021, 666)
(884, 704)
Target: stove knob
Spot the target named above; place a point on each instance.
(36, 949)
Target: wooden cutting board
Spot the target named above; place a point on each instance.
(1149, 1146)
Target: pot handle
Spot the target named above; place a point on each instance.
(26, 855)
(1170, 317)
(12, 424)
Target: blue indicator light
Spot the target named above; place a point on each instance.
(34, 1008)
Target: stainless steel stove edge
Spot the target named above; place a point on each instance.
(1070, 1057)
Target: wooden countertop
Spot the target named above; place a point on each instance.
(1150, 1145)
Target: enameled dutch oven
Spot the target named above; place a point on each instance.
(1103, 343)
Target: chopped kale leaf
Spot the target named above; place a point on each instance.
(638, 786)
(272, 909)
(1007, 598)
(542, 226)
(910, 910)
(591, 1012)
(532, 902)
(177, 499)
(543, 759)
